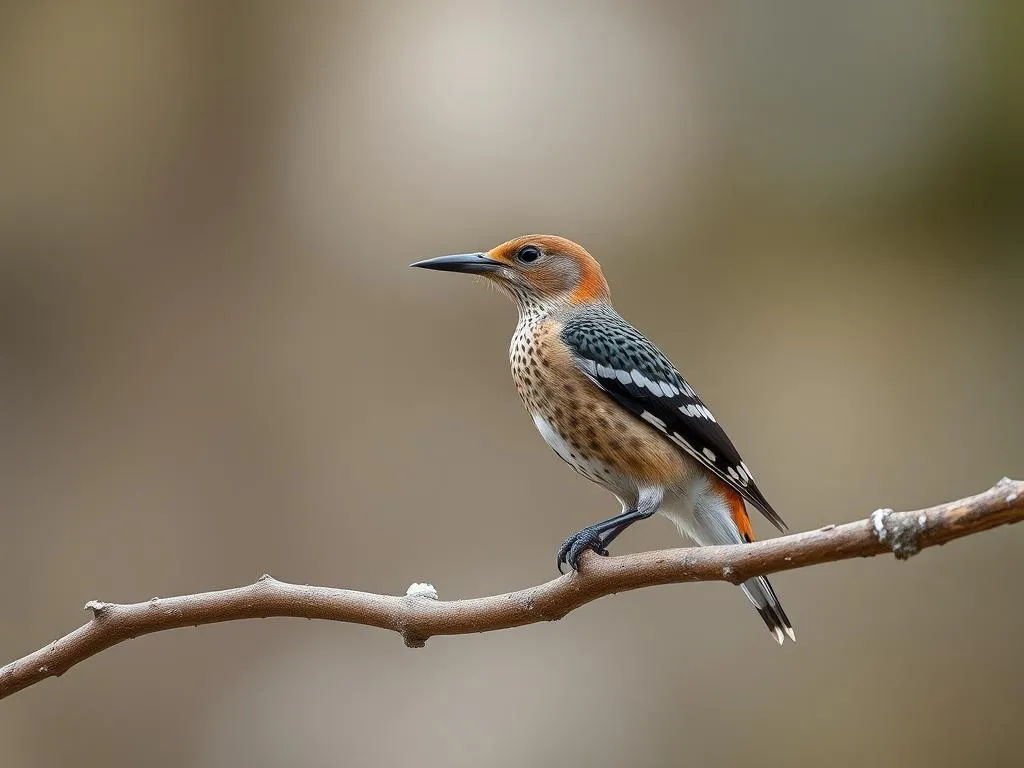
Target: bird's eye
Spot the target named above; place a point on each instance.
(529, 254)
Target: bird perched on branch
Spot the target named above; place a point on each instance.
(616, 410)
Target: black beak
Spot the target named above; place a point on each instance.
(473, 263)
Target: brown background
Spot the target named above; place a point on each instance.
(214, 363)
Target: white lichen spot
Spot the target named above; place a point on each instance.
(426, 591)
(878, 521)
(922, 521)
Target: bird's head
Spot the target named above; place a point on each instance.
(535, 269)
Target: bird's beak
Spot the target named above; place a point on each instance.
(473, 263)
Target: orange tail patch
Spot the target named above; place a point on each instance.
(737, 508)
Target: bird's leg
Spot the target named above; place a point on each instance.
(598, 536)
(588, 538)
(609, 536)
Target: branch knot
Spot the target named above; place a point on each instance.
(97, 607)
(898, 531)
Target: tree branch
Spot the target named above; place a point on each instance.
(418, 615)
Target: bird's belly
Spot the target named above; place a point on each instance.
(592, 468)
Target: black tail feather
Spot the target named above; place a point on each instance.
(763, 596)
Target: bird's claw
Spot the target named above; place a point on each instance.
(571, 549)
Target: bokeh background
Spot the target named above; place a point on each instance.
(214, 363)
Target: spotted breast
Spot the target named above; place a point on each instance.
(600, 441)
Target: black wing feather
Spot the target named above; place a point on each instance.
(631, 370)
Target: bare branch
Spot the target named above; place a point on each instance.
(419, 615)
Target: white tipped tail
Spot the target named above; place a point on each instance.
(763, 597)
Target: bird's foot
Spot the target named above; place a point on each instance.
(577, 544)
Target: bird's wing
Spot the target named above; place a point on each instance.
(631, 370)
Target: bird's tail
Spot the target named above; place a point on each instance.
(719, 516)
(767, 603)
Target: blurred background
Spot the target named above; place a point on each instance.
(214, 363)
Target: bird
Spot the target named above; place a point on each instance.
(615, 409)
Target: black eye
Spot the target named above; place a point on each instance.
(528, 254)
